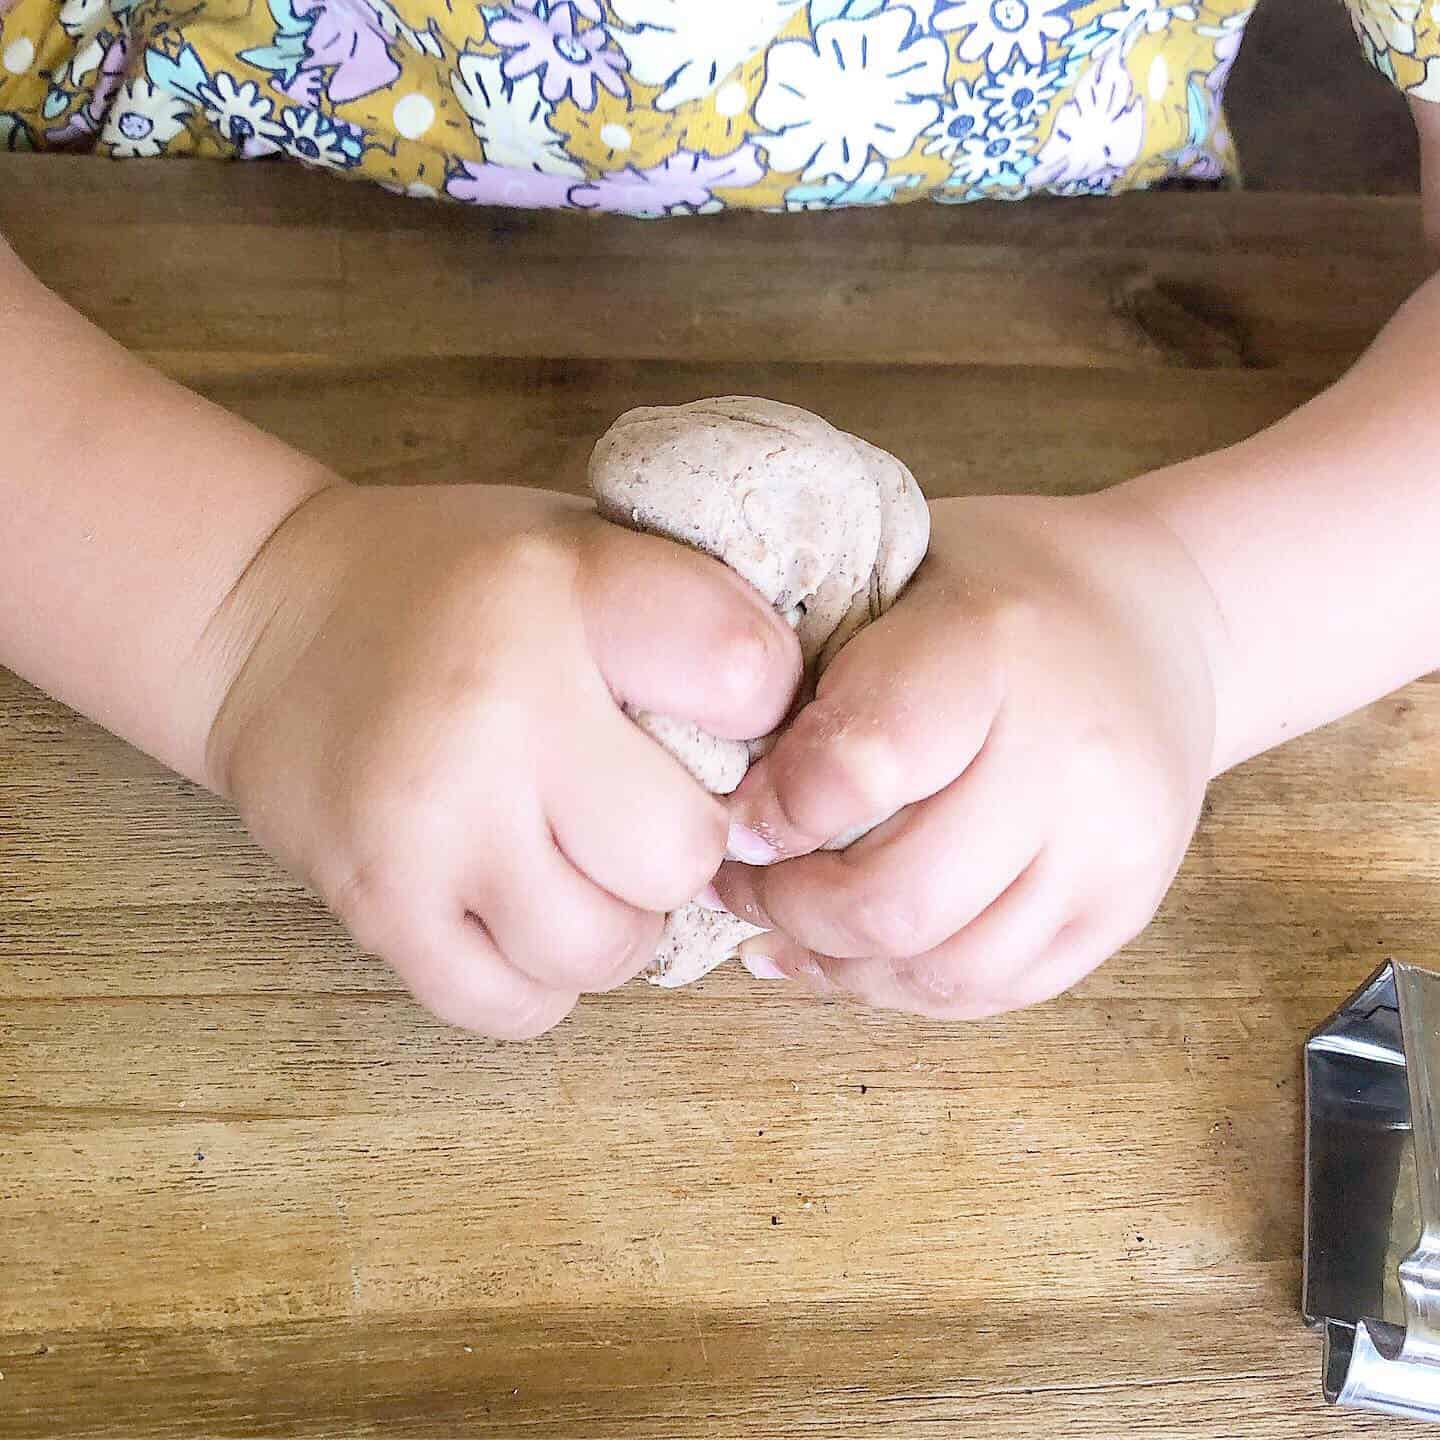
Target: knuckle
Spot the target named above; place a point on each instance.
(1097, 762)
(537, 557)
(867, 762)
(968, 989)
(685, 862)
(1011, 622)
(872, 770)
(935, 997)
(833, 773)
(515, 1016)
(456, 1009)
(602, 964)
(373, 907)
(1131, 922)
(889, 924)
(749, 656)
(989, 978)
(541, 1012)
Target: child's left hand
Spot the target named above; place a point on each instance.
(1042, 704)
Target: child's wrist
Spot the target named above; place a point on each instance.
(1148, 498)
(263, 619)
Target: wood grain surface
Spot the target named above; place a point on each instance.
(248, 1188)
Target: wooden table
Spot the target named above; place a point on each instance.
(246, 1187)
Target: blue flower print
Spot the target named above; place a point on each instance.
(317, 140)
(873, 187)
(1017, 97)
(963, 116)
(996, 159)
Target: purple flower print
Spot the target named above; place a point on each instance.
(307, 87)
(685, 180)
(348, 37)
(1227, 47)
(568, 63)
(87, 120)
(489, 184)
(1193, 163)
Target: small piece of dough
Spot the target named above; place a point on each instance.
(829, 529)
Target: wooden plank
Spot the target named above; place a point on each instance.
(663, 1371)
(134, 1222)
(962, 429)
(939, 288)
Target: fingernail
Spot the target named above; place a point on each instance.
(749, 847)
(763, 968)
(709, 899)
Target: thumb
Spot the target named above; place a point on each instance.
(892, 723)
(679, 634)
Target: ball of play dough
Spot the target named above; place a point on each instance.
(829, 529)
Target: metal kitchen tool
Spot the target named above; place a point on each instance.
(1372, 1194)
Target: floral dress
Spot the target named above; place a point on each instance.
(664, 107)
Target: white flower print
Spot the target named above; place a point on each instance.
(510, 117)
(1097, 133)
(1147, 17)
(86, 60)
(862, 85)
(963, 116)
(242, 114)
(83, 18)
(142, 120)
(689, 46)
(1388, 24)
(1017, 97)
(422, 42)
(311, 137)
(1429, 87)
(82, 21)
(983, 159)
(999, 28)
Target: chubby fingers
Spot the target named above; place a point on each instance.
(449, 961)
(679, 634)
(628, 816)
(556, 925)
(915, 880)
(1032, 944)
(897, 717)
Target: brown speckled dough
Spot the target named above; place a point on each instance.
(825, 526)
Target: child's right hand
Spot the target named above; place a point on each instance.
(425, 725)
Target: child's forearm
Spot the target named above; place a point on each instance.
(130, 508)
(1320, 538)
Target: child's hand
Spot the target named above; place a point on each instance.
(1041, 703)
(426, 726)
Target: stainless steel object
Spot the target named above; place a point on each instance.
(1372, 1194)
